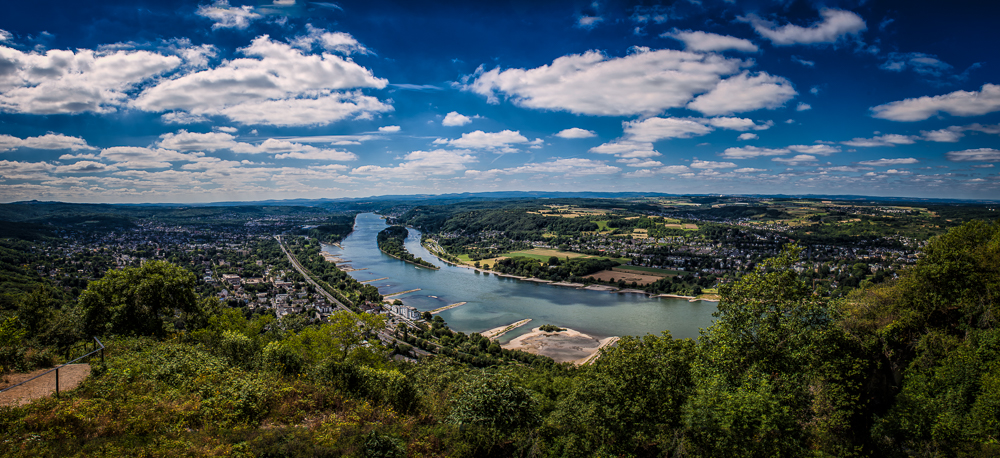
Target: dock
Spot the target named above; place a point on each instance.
(495, 333)
(377, 279)
(400, 293)
(437, 310)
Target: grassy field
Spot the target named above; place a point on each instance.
(465, 260)
(648, 270)
(543, 254)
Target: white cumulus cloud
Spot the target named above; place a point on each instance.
(889, 162)
(748, 136)
(283, 149)
(820, 149)
(750, 152)
(958, 103)
(942, 135)
(570, 167)
(738, 124)
(743, 92)
(484, 140)
(228, 17)
(423, 163)
(61, 81)
(47, 141)
(977, 154)
(626, 149)
(575, 132)
(798, 159)
(593, 84)
(455, 119)
(653, 129)
(339, 42)
(276, 84)
(834, 25)
(710, 42)
(711, 165)
(881, 140)
(135, 157)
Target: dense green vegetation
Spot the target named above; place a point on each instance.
(334, 229)
(570, 269)
(390, 241)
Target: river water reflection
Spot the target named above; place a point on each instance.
(493, 301)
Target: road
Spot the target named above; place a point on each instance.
(308, 277)
(384, 335)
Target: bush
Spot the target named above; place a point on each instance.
(285, 360)
(239, 349)
(494, 401)
(378, 445)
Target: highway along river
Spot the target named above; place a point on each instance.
(493, 301)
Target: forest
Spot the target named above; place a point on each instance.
(556, 269)
(906, 367)
(390, 241)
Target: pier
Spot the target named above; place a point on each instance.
(377, 279)
(437, 310)
(495, 333)
(400, 293)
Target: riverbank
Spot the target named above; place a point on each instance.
(567, 346)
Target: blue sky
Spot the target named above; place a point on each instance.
(157, 101)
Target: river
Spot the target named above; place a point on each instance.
(493, 301)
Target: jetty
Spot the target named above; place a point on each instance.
(377, 279)
(597, 353)
(438, 310)
(401, 292)
(495, 333)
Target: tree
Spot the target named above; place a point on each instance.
(933, 333)
(494, 415)
(773, 372)
(628, 403)
(154, 300)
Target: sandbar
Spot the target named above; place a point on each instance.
(568, 346)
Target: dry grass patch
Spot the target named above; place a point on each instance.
(629, 277)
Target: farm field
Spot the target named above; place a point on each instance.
(543, 254)
(628, 277)
(648, 271)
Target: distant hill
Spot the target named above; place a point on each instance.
(496, 195)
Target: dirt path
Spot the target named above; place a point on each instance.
(69, 377)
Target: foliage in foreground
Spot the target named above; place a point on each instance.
(906, 368)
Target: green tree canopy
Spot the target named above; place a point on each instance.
(149, 300)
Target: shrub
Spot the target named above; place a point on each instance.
(285, 360)
(238, 349)
(379, 445)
